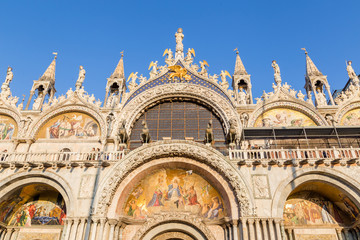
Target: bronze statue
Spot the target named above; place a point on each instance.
(122, 135)
(145, 134)
(209, 135)
(232, 133)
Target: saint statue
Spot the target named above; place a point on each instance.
(351, 73)
(8, 79)
(321, 98)
(179, 36)
(81, 78)
(242, 96)
(276, 72)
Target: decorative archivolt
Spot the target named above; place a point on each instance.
(179, 148)
(306, 110)
(136, 106)
(70, 108)
(12, 114)
(345, 109)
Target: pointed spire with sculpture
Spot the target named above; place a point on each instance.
(45, 85)
(116, 85)
(241, 82)
(315, 82)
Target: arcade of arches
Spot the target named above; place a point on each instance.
(181, 155)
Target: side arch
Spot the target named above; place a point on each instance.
(72, 108)
(180, 148)
(345, 109)
(335, 178)
(20, 179)
(302, 108)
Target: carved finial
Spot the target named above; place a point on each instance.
(49, 74)
(119, 70)
(311, 69)
(239, 66)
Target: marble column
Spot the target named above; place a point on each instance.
(117, 230)
(357, 233)
(112, 223)
(278, 230)
(235, 229)
(265, 229)
(101, 228)
(251, 228)
(290, 230)
(224, 227)
(68, 229)
(338, 231)
(258, 229)
(347, 234)
(8, 234)
(94, 228)
(74, 229)
(282, 228)
(80, 231)
(245, 235)
(2, 233)
(271, 229)
(105, 235)
(15, 234)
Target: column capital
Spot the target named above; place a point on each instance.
(250, 220)
(113, 221)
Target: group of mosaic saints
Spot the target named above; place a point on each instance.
(123, 137)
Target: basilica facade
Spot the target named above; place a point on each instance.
(181, 154)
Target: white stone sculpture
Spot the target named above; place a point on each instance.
(276, 68)
(153, 67)
(179, 36)
(351, 73)
(224, 83)
(321, 98)
(37, 101)
(242, 96)
(8, 79)
(142, 79)
(203, 70)
(132, 84)
(81, 78)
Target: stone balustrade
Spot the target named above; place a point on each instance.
(295, 156)
(59, 159)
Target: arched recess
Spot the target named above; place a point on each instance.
(345, 184)
(108, 188)
(218, 103)
(18, 180)
(10, 117)
(347, 111)
(155, 229)
(68, 109)
(302, 108)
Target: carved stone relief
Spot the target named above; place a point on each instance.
(261, 186)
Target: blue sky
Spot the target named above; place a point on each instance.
(92, 34)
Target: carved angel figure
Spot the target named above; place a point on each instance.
(154, 69)
(133, 77)
(81, 78)
(189, 55)
(169, 54)
(9, 76)
(224, 83)
(203, 65)
(142, 79)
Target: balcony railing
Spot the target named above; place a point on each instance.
(60, 158)
(317, 154)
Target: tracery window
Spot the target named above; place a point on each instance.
(178, 120)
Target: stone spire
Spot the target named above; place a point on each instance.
(119, 70)
(239, 66)
(311, 69)
(49, 74)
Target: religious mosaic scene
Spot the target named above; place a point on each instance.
(181, 153)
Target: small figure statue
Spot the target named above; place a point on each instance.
(132, 84)
(37, 101)
(142, 79)
(81, 78)
(145, 134)
(351, 73)
(91, 99)
(242, 96)
(8, 79)
(109, 120)
(330, 119)
(214, 78)
(179, 36)
(209, 135)
(276, 72)
(189, 55)
(203, 65)
(169, 54)
(224, 83)
(154, 69)
(300, 95)
(69, 93)
(321, 98)
(244, 118)
(232, 133)
(122, 135)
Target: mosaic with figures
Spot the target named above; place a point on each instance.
(7, 128)
(72, 125)
(351, 118)
(283, 117)
(174, 190)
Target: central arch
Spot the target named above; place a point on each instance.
(196, 153)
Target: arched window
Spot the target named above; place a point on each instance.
(178, 120)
